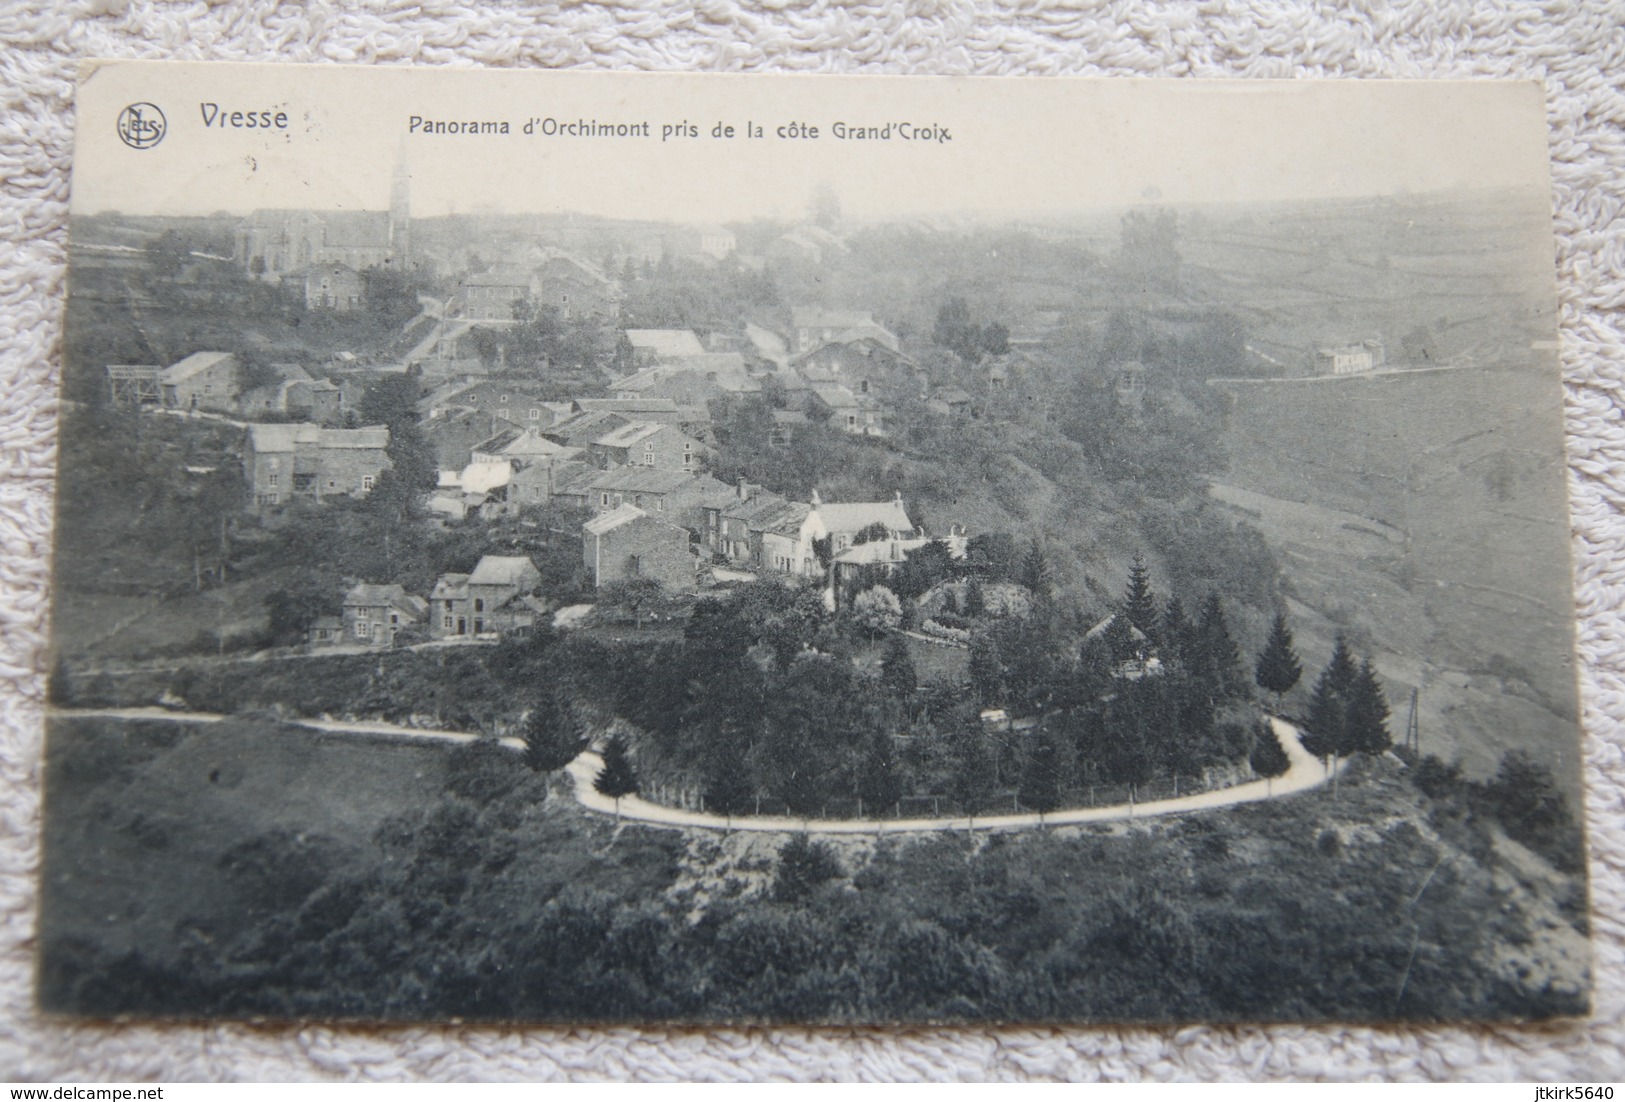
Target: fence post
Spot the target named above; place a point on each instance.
(758, 805)
(1176, 786)
(936, 808)
(860, 807)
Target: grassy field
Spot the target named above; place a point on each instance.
(1425, 514)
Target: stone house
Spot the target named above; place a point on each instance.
(627, 543)
(204, 380)
(375, 614)
(484, 603)
(648, 444)
(840, 523)
(334, 287)
(490, 296)
(285, 463)
(813, 326)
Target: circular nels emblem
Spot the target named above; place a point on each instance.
(142, 125)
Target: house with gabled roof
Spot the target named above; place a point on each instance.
(649, 444)
(812, 326)
(487, 601)
(204, 380)
(653, 345)
(853, 414)
(375, 614)
(285, 463)
(840, 523)
(627, 543)
(489, 296)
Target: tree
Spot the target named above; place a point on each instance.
(877, 610)
(1140, 602)
(1035, 573)
(1368, 713)
(1041, 774)
(878, 783)
(635, 595)
(897, 671)
(1326, 725)
(975, 599)
(289, 614)
(872, 534)
(803, 865)
(1217, 659)
(974, 771)
(1278, 668)
(617, 778)
(1268, 758)
(553, 736)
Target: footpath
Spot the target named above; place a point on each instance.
(1304, 772)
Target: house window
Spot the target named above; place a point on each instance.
(604, 500)
(648, 459)
(479, 627)
(272, 481)
(446, 621)
(535, 415)
(503, 399)
(366, 483)
(851, 421)
(479, 604)
(332, 485)
(863, 387)
(394, 618)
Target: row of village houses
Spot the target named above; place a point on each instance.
(745, 525)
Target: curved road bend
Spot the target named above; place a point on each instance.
(1304, 772)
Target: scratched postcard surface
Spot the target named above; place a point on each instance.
(667, 548)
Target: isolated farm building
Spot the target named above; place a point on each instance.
(649, 444)
(627, 543)
(374, 614)
(308, 462)
(1350, 359)
(204, 380)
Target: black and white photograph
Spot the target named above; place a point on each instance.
(712, 549)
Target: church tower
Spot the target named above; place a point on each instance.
(400, 213)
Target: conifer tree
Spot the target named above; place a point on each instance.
(1041, 775)
(1327, 721)
(975, 599)
(1367, 715)
(553, 735)
(1268, 758)
(879, 787)
(1177, 632)
(1220, 658)
(897, 673)
(617, 778)
(1035, 572)
(1120, 640)
(974, 770)
(1139, 602)
(1278, 668)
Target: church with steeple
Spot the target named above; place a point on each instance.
(274, 244)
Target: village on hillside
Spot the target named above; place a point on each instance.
(756, 529)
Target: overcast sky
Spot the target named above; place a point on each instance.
(1028, 147)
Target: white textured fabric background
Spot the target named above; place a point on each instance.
(1577, 49)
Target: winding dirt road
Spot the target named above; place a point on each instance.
(1304, 772)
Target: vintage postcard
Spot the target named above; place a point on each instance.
(587, 547)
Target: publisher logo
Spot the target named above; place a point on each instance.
(142, 125)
